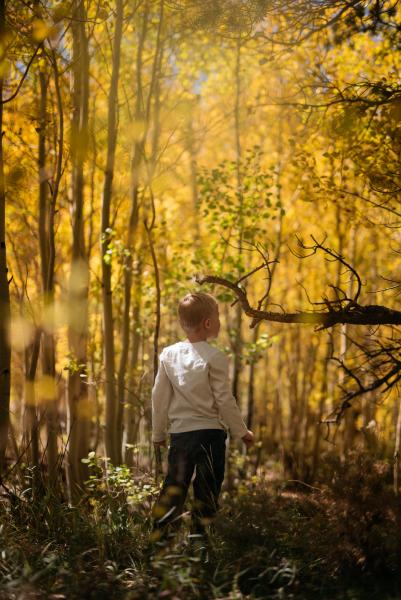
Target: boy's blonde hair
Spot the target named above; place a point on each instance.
(195, 307)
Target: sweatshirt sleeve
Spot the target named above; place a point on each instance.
(226, 403)
(162, 392)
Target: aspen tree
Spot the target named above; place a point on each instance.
(5, 350)
(113, 448)
(79, 411)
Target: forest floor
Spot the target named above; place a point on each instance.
(274, 539)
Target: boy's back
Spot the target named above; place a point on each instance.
(192, 391)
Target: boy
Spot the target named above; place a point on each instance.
(192, 392)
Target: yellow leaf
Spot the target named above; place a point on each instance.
(40, 30)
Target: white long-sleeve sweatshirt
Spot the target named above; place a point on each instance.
(192, 391)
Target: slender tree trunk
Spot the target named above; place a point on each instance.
(154, 94)
(155, 350)
(133, 412)
(193, 172)
(43, 178)
(310, 364)
(137, 158)
(5, 350)
(351, 415)
(47, 259)
(149, 230)
(79, 411)
(238, 341)
(277, 433)
(368, 400)
(121, 393)
(277, 251)
(32, 417)
(113, 448)
(294, 375)
(321, 407)
(251, 387)
(397, 451)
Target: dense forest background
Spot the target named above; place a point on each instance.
(149, 148)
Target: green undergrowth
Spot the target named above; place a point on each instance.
(273, 539)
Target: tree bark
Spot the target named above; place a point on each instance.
(321, 407)
(113, 448)
(32, 417)
(133, 412)
(46, 244)
(5, 312)
(277, 252)
(238, 341)
(79, 411)
(350, 426)
(193, 174)
(137, 158)
(396, 457)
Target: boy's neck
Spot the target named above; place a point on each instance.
(194, 339)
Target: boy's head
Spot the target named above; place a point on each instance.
(199, 313)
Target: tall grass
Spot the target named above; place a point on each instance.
(340, 538)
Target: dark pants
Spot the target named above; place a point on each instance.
(203, 450)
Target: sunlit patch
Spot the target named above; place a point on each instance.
(21, 333)
(45, 388)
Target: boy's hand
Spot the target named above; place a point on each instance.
(157, 444)
(248, 438)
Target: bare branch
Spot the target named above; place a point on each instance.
(340, 310)
(355, 314)
(19, 86)
(346, 403)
